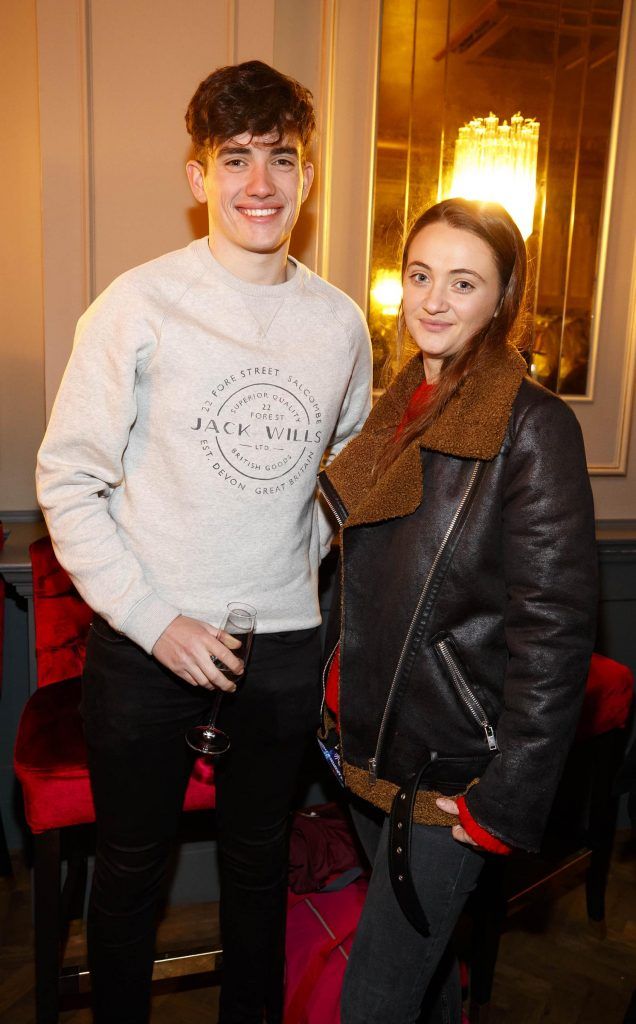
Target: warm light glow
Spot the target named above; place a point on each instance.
(498, 162)
(386, 291)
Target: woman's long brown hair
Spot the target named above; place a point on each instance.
(495, 227)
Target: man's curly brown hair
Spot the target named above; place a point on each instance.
(250, 97)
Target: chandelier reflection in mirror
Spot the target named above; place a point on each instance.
(442, 63)
(498, 163)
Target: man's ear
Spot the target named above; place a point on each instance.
(308, 177)
(196, 180)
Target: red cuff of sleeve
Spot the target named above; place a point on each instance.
(479, 834)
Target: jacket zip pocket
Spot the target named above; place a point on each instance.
(448, 656)
(456, 522)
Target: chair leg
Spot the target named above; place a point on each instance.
(630, 1012)
(74, 888)
(488, 909)
(5, 860)
(608, 751)
(47, 920)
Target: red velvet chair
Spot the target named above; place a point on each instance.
(5, 860)
(50, 762)
(580, 832)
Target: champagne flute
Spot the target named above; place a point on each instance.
(239, 622)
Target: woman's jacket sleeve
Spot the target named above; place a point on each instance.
(550, 570)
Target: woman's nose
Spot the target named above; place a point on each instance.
(435, 300)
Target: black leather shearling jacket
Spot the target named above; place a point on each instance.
(468, 586)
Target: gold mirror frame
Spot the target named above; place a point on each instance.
(442, 64)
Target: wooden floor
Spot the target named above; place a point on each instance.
(553, 967)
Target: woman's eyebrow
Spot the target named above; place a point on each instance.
(466, 270)
(458, 270)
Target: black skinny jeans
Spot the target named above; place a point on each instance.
(135, 715)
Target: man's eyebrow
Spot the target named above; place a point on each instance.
(229, 150)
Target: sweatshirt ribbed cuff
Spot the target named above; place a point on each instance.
(147, 621)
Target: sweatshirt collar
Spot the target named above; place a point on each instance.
(220, 273)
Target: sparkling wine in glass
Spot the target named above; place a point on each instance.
(239, 622)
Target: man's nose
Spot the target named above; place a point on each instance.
(260, 182)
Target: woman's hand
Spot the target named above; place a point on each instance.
(446, 803)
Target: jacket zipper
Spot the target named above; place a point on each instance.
(465, 693)
(325, 673)
(340, 516)
(339, 512)
(373, 761)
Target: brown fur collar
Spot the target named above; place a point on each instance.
(472, 426)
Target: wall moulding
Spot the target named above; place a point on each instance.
(65, 176)
(624, 411)
(606, 416)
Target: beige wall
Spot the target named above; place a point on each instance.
(21, 352)
(113, 80)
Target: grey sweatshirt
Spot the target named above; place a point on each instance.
(179, 466)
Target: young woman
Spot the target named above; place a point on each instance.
(468, 600)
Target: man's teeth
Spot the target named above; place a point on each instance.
(259, 212)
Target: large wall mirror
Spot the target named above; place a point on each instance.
(520, 81)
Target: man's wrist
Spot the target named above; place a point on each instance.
(148, 620)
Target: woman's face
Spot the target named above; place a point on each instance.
(451, 290)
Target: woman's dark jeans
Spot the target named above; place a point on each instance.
(394, 974)
(135, 714)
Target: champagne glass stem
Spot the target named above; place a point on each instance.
(214, 710)
(239, 623)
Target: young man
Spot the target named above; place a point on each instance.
(178, 474)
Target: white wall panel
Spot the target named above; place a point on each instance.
(301, 50)
(146, 60)
(351, 148)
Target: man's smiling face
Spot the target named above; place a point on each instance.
(254, 187)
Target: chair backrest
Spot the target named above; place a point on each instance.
(61, 616)
(608, 697)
